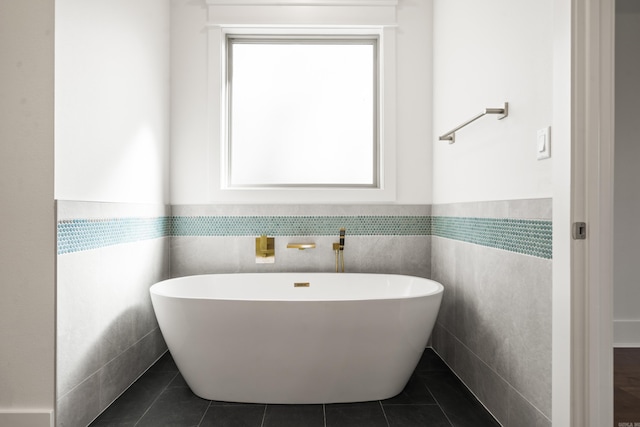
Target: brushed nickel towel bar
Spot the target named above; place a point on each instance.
(451, 135)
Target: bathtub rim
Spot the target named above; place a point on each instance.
(433, 287)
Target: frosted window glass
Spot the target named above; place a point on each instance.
(302, 113)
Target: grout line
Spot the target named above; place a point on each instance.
(384, 413)
(156, 399)
(204, 414)
(492, 370)
(465, 384)
(123, 391)
(439, 407)
(264, 415)
(112, 359)
(324, 414)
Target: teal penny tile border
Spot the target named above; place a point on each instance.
(84, 234)
(530, 237)
(300, 225)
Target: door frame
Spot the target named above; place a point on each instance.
(583, 120)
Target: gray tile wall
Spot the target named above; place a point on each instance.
(385, 250)
(494, 326)
(107, 334)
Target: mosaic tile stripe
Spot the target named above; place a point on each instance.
(84, 234)
(529, 237)
(300, 225)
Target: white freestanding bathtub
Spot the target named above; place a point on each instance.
(296, 337)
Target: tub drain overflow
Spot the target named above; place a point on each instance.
(301, 285)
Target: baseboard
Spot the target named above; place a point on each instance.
(626, 333)
(26, 418)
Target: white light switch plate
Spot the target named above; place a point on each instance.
(543, 143)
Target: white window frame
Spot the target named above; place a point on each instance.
(336, 161)
(329, 18)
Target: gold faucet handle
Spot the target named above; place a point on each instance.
(265, 246)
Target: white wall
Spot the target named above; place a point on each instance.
(112, 100)
(27, 246)
(192, 167)
(414, 122)
(486, 53)
(111, 145)
(627, 178)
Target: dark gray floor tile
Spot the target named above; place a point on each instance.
(431, 362)
(129, 407)
(178, 381)
(164, 364)
(460, 406)
(165, 400)
(367, 414)
(415, 392)
(176, 407)
(234, 416)
(294, 416)
(416, 416)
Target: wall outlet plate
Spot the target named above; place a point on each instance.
(543, 143)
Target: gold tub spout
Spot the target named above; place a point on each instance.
(301, 246)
